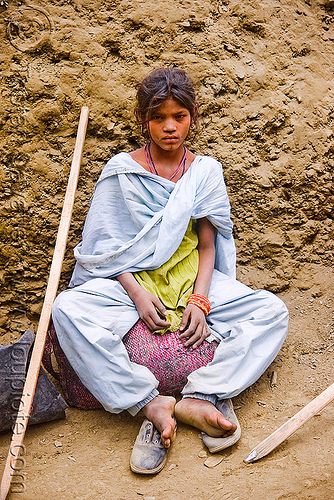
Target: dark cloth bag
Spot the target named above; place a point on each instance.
(75, 393)
(47, 404)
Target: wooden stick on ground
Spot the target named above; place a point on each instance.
(277, 437)
(50, 294)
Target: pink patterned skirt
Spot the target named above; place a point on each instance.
(164, 355)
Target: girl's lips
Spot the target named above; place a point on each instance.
(169, 138)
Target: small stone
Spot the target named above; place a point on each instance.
(240, 75)
(202, 454)
(171, 467)
(213, 461)
(273, 381)
(71, 458)
(58, 444)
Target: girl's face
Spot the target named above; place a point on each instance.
(169, 126)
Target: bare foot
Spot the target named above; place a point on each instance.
(204, 416)
(160, 412)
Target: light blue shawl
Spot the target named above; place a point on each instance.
(137, 220)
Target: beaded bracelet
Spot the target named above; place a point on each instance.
(200, 301)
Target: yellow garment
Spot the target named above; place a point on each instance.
(173, 282)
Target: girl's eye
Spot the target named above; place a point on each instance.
(179, 117)
(156, 117)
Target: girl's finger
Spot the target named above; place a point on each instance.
(186, 333)
(190, 329)
(200, 340)
(159, 305)
(158, 322)
(193, 337)
(184, 320)
(148, 323)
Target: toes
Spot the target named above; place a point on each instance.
(168, 433)
(229, 433)
(166, 443)
(226, 424)
(229, 427)
(165, 438)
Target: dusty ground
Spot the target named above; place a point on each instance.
(93, 461)
(264, 73)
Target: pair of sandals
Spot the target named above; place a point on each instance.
(149, 456)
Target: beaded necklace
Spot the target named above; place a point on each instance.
(152, 167)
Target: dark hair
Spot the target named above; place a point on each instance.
(162, 84)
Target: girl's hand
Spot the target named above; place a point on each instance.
(193, 326)
(147, 304)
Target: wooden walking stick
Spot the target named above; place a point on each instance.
(283, 432)
(30, 384)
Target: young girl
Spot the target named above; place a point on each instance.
(157, 245)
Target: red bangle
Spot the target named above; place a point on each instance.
(200, 301)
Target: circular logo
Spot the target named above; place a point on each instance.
(28, 28)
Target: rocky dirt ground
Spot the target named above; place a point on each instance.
(264, 74)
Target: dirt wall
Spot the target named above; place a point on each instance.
(264, 75)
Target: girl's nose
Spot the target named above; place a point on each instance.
(169, 125)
